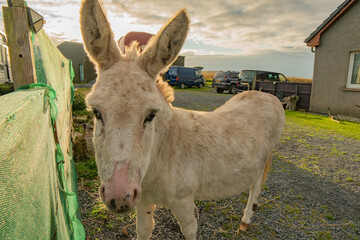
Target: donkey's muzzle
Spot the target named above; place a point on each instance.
(118, 194)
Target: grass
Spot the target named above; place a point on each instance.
(292, 209)
(86, 169)
(84, 91)
(299, 80)
(343, 128)
(210, 75)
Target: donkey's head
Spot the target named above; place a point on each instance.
(126, 101)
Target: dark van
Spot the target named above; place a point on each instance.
(184, 76)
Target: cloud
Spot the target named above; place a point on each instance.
(241, 25)
(244, 25)
(218, 27)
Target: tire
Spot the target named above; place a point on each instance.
(182, 85)
(201, 85)
(232, 89)
(219, 90)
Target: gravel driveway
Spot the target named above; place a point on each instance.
(313, 191)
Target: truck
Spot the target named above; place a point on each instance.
(226, 81)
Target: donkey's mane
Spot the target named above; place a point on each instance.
(133, 52)
(166, 90)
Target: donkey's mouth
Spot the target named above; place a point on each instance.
(120, 203)
(122, 206)
(120, 210)
(118, 207)
(118, 193)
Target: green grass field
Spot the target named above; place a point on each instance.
(344, 128)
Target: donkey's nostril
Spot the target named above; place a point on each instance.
(102, 192)
(135, 195)
(113, 204)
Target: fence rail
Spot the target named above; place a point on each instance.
(285, 89)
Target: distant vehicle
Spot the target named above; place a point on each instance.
(247, 77)
(184, 76)
(226, 81)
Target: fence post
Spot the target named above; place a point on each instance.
(19, 42)
(274, 88)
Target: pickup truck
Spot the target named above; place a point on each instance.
(248, 77)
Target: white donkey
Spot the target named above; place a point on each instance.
(150, 153)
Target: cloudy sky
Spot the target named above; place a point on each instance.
(224, 34)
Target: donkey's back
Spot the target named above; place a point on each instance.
(254, 114)
(224, 152)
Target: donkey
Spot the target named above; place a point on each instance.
(150, 153)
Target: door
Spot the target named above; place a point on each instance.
(81, 73)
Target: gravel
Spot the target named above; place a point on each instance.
(312, 192)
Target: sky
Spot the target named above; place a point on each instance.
(224, 34)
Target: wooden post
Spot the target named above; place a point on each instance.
(19, 42)
(274, 88)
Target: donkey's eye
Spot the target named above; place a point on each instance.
(97, 114)
(149, 118)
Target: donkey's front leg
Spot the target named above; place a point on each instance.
(144, 219)
(184, 213)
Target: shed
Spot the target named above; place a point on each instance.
(84, 69)
(336, 77)
(5, 71)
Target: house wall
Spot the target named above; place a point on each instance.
(180, 61)
(90, 71)
(332, 64)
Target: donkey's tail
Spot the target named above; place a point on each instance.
(266, 170)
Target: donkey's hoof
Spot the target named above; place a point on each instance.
(255, 207)
(244, 227)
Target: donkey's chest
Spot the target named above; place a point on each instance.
(206, 183)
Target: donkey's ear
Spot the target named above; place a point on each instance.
(97, 34)
(164, 47)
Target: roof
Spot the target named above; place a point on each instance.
(314, 39)
(69, 43)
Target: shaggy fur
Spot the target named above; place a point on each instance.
(180, 155)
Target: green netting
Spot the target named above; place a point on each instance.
(37, 175)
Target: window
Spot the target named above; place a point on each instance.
(247, 74)
(172, 71)
(198, 73)
(219, 74)
(282, 78)
(272, 77)
(234, 74)
(354, 71)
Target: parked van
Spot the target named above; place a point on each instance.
(184, 76)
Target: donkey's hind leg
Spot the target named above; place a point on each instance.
(252, 202)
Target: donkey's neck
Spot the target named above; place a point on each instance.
(176, 125)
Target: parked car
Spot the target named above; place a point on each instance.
(247, 78)
(226, 81)
(184, 76)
